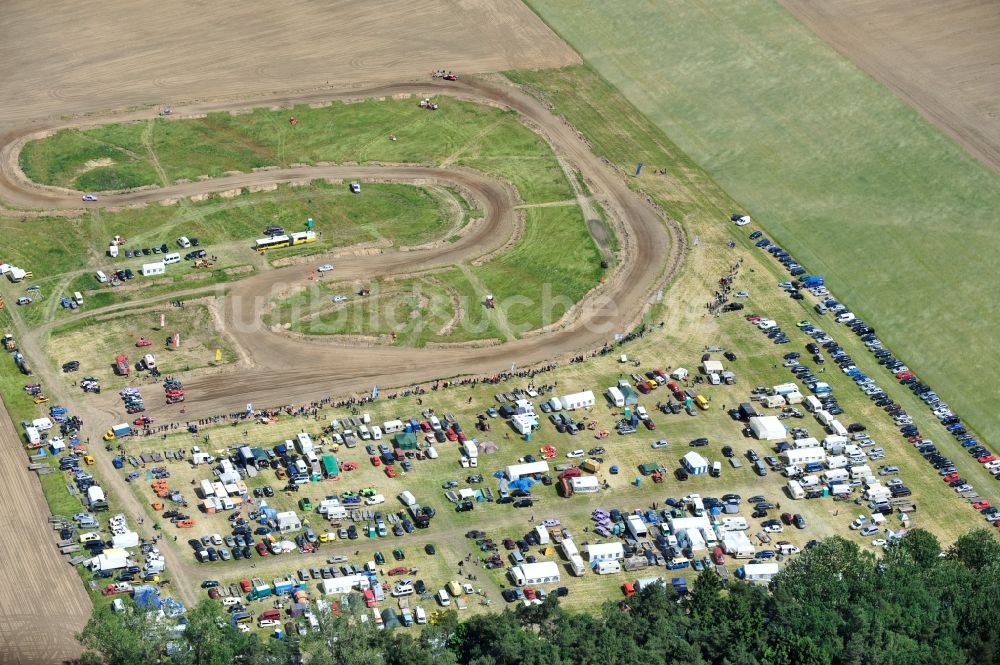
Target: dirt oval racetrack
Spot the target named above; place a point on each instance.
(940, 56)
(291, 370)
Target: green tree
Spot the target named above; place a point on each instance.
(132, 636)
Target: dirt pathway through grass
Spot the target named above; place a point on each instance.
(147, 140)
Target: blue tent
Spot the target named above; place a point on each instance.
(521, 484)
(147, 597)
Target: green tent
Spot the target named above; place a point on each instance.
(330, 466)
(405, 440)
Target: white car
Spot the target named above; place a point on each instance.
(243, 628)
(869, 530)
(742, 294)
(879, 542)
(356, 187)
(575, 453)
(742, 221)
(326, 267)
(660, 443)
(90, 198)
(339, 298)
(269, 623)
(774, 528)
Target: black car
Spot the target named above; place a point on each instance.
(352, 532)
(465, 507)
(752, 455)
(799, 521)
(195, 242)
(681, 474)
(420, 587)
(701, 441)
(429, 549)
(523, 503)
(731, 357)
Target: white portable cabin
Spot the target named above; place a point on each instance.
(806, 442)
(733, 524)
(636, 526)
(376, 432)
(578, 400)
(153, 269)
(712, 367)
(613, 551)
(303, 442)
(393, 426)
(835, 444)
(835, 476)
(573, 556)
(206, 489)
(543, 572)
(794, 397)
(795, 490)
(585, 484)
(836, 427)
(785, 389)
(797, 456)
(823, 417)
(813, 404)
(861, 471)
(605, 567)
(556, 404)
(524, 422)
(836, 462)
(773, 401)
(615, 396)
(346, 584)
(515, 471)
(760, 572)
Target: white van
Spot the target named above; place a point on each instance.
(149, 361)
(171, 258)
(375, 500)
(364, 433)
(432, 452)
(420, 614)
(101, 277)
(443, 598)
(435, 423)
(78, 297)
(377, 433)
(184, 242)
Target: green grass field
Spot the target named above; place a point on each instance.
(464, 133)
(852, 180)
(534, 283)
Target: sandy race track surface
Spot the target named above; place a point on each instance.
(940, 56)
(71, 57)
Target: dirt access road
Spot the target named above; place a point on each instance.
(940, 56)
(288, 370)
(42, 602)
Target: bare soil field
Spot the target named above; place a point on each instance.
(41, 598)
(941, 57)
(105, 55)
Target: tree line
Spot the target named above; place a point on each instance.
(834, 604)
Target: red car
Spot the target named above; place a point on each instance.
(986, 459)
(262, 549)
(529, 593)
(142, 341)
(376, 461)
(425, 426)
(650, 425)
(451, 435)
(390, 472)
(951, 477)
(905, 375)
(643, 388)
(144, 420)
(980, 505)
(246, 586)
(754, 317)
(399, 570)
(349, 466)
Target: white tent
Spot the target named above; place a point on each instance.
(695, 463)
(712, 367)
(767, 428)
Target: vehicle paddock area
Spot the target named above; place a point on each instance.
(758, 362)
